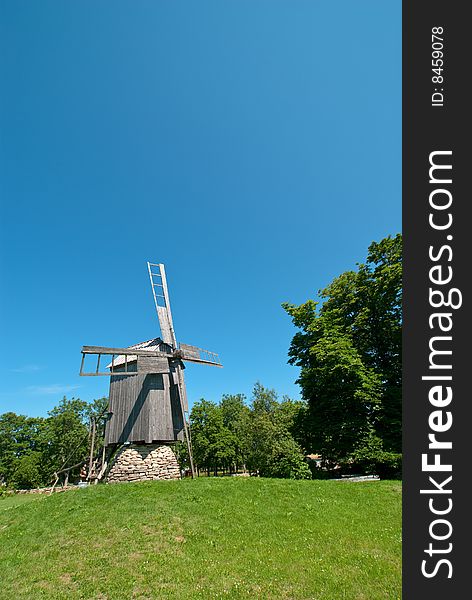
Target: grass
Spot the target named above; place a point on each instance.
(11, 501)
(209, 538)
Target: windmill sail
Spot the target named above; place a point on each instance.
(199, 355)
(157, 276)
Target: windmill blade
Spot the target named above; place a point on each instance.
(157, 275)
(148, 360)
(198, 355)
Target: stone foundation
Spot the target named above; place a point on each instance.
(143, 463)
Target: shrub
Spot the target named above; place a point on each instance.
(4, 491)
(372, 459)
(286, 461)
(27, 471)
(389, 465)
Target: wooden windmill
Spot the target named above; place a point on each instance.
(148, 401)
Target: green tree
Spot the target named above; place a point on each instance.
(289, 414)
(68, 433)
(214, 445)
(273, 452)
(259, 436)
(98, 411)
(19, 436)
(27, 471)
(236, 418)
(286, 460)
(264, 400)
(349, 351)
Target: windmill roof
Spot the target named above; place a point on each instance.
(154, 344)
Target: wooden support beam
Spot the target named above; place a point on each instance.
(109, 373)
(92, 445)
(82, 363)
(124, 351)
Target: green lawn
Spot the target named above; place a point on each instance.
(16, 500)
(209, 538)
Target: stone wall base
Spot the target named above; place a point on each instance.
(143, 463)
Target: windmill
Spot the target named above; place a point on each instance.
(148, 400)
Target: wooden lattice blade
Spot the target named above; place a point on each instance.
(157, 276)
(124, 361)
(195, 354)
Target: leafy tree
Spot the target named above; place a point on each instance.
(349, 351)
(98, 411)
(367, 306)
(264, 400)
(181, 453)
(259, 436)
(236, 415)
(286, 460)
(370, 457)
(200, 423)
(214, 445)
(19, 436)
(27, 471)
(343, 394)
(68, 433)
(273, 450)
(289, 414)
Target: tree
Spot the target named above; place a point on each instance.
(19, 436)
(236, 415)
(264, 400)
(98, 411)
(273, 451)
(214, 445)
(68, 433)
(286, 460)
(349, 351)
(259, 436)
(27, 472)
(289, 414)
(343, 397)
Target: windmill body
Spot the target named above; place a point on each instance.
(148, 404)
(145, 408)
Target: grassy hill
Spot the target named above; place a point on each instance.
(209, 538)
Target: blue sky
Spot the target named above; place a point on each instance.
(251, 146)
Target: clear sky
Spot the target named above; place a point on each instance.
(252, 146)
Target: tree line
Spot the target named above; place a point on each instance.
(257, 437)
(33, 449)
(229, 436)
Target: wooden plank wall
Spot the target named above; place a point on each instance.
(153, 364)
(145, 407)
